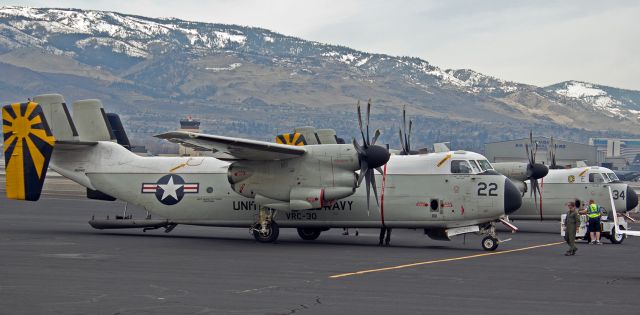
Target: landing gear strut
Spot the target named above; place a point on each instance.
(266, 230)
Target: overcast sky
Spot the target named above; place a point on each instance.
(536, 42)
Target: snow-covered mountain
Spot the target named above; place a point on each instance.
(618, 102)
(248, 81)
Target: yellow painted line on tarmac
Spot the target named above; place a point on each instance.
(430, 262)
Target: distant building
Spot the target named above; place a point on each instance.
(618, 152)
(191, 125)
(567, 153)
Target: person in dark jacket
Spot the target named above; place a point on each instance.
(572, 223)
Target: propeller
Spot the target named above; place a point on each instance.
(405, 136)
(370, 155)
(552, 154)
(535, 170)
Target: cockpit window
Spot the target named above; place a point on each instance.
(613, 177)
(596, 178)
(460, 167)
(474, 165)
(485, 165)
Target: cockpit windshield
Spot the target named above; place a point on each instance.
(613, 177)
(474, 165)
(485, 165)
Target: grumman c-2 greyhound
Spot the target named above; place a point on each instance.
(260, 185)
(550, 194)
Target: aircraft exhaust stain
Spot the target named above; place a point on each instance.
(430, 262)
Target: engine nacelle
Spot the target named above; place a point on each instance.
(513, 170)
(238, 172)
(304, 198)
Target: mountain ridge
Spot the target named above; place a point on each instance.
(167, 66)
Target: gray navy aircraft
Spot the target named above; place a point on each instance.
(252, 184)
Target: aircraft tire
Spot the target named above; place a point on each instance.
(309, 234)
(271, 236)
(489, 243)
(617, 239)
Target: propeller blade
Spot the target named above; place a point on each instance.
(379, 169)
(409, 137)
(375, 189)
(363, 169)
(368, 114)
(375, 136)
(535, 191)
(359, 149)
(360, 124)
(368, 183)
(402, 142)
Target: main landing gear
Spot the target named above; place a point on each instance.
(309, 234)
(266, 230)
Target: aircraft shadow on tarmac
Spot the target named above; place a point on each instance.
(363, 242)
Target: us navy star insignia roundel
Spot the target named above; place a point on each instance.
(170, 189)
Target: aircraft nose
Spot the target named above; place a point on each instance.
(512, 197)
(632, 198)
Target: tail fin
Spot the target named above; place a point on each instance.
(118, 130)
(296, 139)
(91, 121)
(28, 145)
(57, 114)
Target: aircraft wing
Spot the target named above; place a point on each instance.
(234, 148)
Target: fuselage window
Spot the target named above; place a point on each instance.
(485, 165)
(595, 178)
(460, 167)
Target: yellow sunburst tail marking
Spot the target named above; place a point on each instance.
(28, 145)
(295, 138)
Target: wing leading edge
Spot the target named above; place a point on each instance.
(234, 148)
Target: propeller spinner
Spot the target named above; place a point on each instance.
(370, 155)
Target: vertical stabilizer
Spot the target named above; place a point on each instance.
(28, 145)
(91, 121)
(296, 139)
(58, 117)
(327, 136)
(118, 130)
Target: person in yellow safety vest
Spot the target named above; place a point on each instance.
(593, 213)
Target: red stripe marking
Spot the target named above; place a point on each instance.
(384, 181)
(540, 190)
